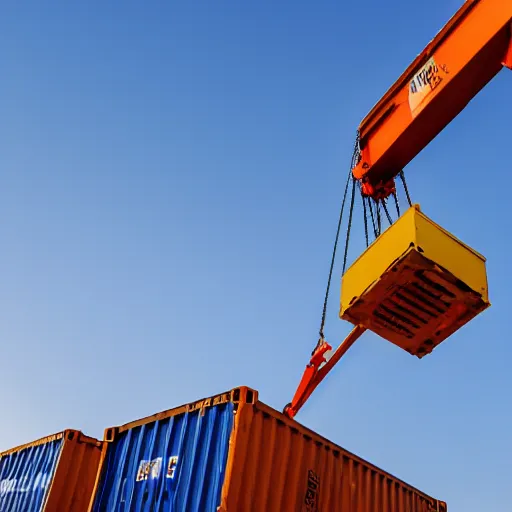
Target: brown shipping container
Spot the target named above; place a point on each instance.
(53, 474)
(232, 453)
(276, 464)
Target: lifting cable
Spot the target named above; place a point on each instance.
(376, 224)
(384, 205)
(355, 157)
(402, 177)
(375, 233)
(349, 226)
(367, 239)
(379, 220)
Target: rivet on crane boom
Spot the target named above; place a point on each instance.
(416, 284)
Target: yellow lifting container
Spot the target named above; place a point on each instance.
(415, 285)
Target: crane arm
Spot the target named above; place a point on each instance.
(464, 56)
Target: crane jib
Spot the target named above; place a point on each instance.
(464, 56)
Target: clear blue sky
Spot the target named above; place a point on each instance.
(170, 177)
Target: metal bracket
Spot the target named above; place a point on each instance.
(315, 372)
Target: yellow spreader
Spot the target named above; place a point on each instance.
(415, 285)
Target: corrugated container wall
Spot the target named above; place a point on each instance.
(232, 453)
(53, 474)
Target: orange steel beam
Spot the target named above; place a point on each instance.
(464, 56)
(315, 373)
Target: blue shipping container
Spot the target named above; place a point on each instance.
(25, 475)
(53, 474)
(174, 463)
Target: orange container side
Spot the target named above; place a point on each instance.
(277, 465)
(73, 483)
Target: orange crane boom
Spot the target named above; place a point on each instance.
(464, 56)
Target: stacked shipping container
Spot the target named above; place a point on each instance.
(227, 453)
(53, 474)
(232, 453)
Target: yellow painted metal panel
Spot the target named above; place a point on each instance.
(447, 251)
(415, 285)
(377, 259)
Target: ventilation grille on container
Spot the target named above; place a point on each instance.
(418, 306)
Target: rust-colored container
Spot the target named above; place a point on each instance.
(53, 474)
(232, 453)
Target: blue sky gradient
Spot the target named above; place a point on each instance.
(169, 190)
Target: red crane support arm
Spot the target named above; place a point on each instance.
(316, 370)
(464, 56)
